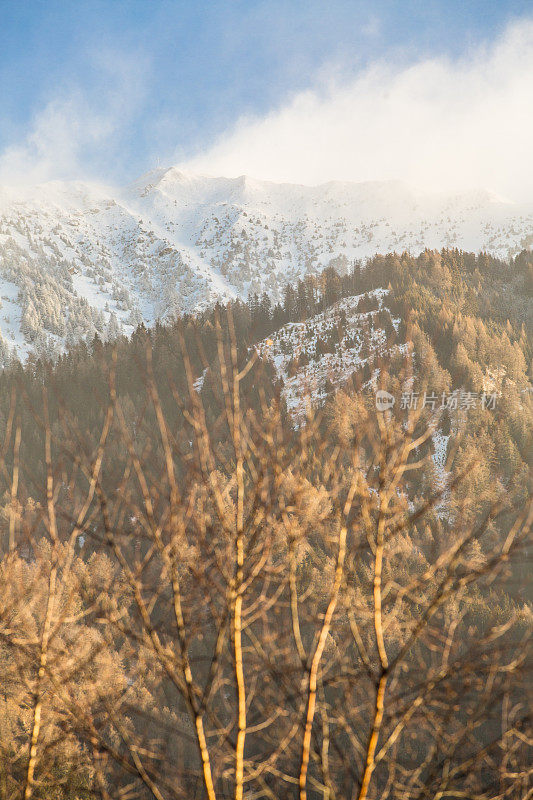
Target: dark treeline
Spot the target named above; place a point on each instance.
(463, 284)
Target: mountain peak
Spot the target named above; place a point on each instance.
(176, 241)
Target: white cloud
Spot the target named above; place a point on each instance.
(442, 124)
(76, 131)
(54, 148)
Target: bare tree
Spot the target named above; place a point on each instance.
(285, 612)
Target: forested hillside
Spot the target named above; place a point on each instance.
(469, 320)
(226, 573)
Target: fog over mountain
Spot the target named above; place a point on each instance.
(78, 259)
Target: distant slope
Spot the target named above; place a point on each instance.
(327, 348)
(76, 259)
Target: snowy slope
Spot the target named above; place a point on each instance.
(352, 337)
(76, 259)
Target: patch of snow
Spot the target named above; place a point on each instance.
(307, 385)
(199, 382)
(439, 456)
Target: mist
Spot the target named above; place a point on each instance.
(439, 124)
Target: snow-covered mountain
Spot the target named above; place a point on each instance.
(76, 259)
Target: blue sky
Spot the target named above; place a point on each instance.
(165, 80)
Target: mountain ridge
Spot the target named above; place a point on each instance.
(81, 258)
